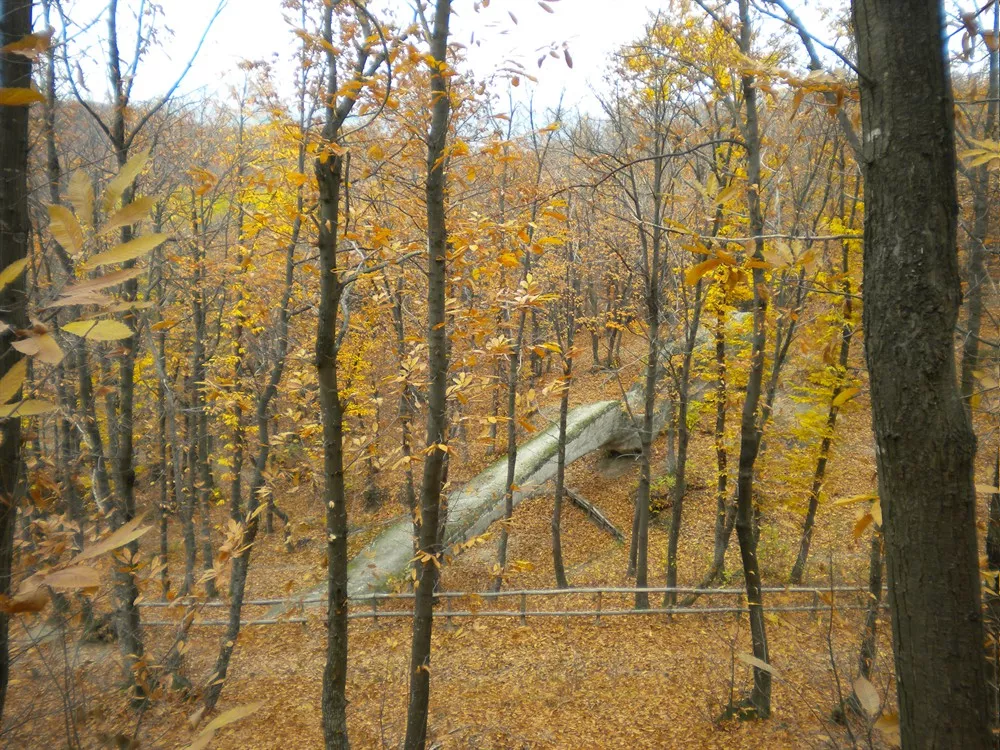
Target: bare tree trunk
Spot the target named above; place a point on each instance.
(683, 438)
(15, 72)
(251, 520)
(725, 513)
(925, 444)
(819, 474)
(200, 478)
(508, 497)
(750, 429)
(437, 365)
(869, 642)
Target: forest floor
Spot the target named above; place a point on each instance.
(554, 682)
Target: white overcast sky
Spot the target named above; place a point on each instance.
(256, 29)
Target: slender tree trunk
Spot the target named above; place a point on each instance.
(925, 444)
(15, 72)
(567, 355)
(819, 474)
(993, 534)
(164, 482)
(200, 478)
(725, 513)
(329, 178)
(760, 696)
(437, 361)
(646, 441)
(869, 642)
(508, 497)
(683, 438)
(251, 521)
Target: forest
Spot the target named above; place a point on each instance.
(378, 402)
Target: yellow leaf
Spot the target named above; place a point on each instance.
(101, 282)
(44, 348)
(12, 380)
(987, 489)
(756, 663)
(31, 407)
(131, 214)
(19, 97)
(99, 330)
(12, 271)
(888, 725)
(32, 599)
(30, 46)
(123, 179)
(855, 499)
(119, 538)
(726, 194)
(694, 274)
(867, 696)
(80, 193)
(65, 228)
(845, 395)
(127, 250)
(72, 578)
(376, 152)
(876, 511)
(984, 159)
(861, 524)
(509, 260)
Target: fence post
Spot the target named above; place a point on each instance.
(524, 607)
(815, 612)
(447, 609)
(598, 607)
(374, 609)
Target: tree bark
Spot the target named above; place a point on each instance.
(437, 361)
(15, 72)
(925, 443)
(750, 426)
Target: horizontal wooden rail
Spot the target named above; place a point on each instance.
(817, 604)
(811, 590)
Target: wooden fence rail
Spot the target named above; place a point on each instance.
(817, 604)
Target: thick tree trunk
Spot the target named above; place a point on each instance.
(15, 72)
(925, 443)
(437, 361)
